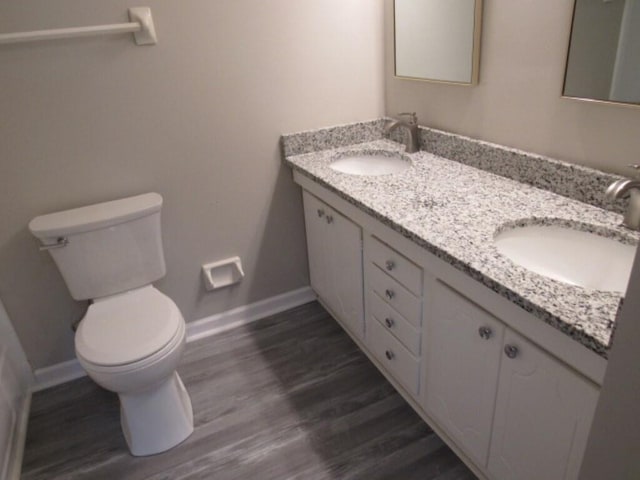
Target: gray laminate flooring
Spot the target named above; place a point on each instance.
(287, 397)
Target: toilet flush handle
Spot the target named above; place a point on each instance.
(60, 242)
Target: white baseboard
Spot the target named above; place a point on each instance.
(70, 370)
(57, 374)
(248, 313)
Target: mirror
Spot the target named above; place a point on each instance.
(603, 62)
(438, 40)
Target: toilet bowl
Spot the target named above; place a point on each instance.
(131, 344)
(132, 337)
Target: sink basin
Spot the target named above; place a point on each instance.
(370, 163)
(571, 256)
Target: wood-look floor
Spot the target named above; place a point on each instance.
(287, 397)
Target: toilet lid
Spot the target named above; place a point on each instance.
(128, 327)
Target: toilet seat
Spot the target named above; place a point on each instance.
(176, 345)
(127, 328)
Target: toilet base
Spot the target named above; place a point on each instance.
(157, 419)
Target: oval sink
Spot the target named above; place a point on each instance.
(571, 256)
(371, 163)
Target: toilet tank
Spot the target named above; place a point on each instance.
(106, 248)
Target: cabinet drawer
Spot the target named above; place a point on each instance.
(401, 299)
(399, 267)
(393, 322)
(403, 366)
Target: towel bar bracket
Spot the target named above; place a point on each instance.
(147, 33)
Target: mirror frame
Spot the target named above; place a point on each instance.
(475, 56)
(566, 66)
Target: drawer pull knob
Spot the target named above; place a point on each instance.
(389, 293)
(485, 332)
(329, 219)
(389, 265)
(320, 212)
(511, 351)
(389, 322)
(389, 354)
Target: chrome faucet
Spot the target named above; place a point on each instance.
(619, 189)
(412, 143)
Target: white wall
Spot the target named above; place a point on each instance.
(196, 118)
(518, 100)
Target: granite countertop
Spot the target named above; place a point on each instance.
(454, 211)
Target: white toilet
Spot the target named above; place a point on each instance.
(132, 336)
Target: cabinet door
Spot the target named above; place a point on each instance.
(543, 415)
(344, 261)
(334, 246)
(317, 244)
(463, 345)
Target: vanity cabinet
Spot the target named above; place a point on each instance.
(508, 403)
(334, 245)
(512, 396)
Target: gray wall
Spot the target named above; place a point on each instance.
(518, 100)
(196, 118)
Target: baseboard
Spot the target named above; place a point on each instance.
(14, 469)
(70, 370)
(57, 374)
(248, 313)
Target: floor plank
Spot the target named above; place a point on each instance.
(287, 397)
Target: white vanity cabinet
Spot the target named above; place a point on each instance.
(334, 246)
(509, 404)
(512, 396)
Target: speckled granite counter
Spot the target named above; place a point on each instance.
(454, 210)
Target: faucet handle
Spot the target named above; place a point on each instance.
(635, 166)
(413, 117)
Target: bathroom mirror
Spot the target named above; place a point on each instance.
(438, 40)
(603, 61)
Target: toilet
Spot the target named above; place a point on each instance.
(132, 337)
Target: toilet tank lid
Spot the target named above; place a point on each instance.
(93, 217)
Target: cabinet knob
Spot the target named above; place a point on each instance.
(329, 219)
(511, 351)
(389, 354)
(389, 265)
(389, 293)
(389, 322)
(320, 212)
(485, 332)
